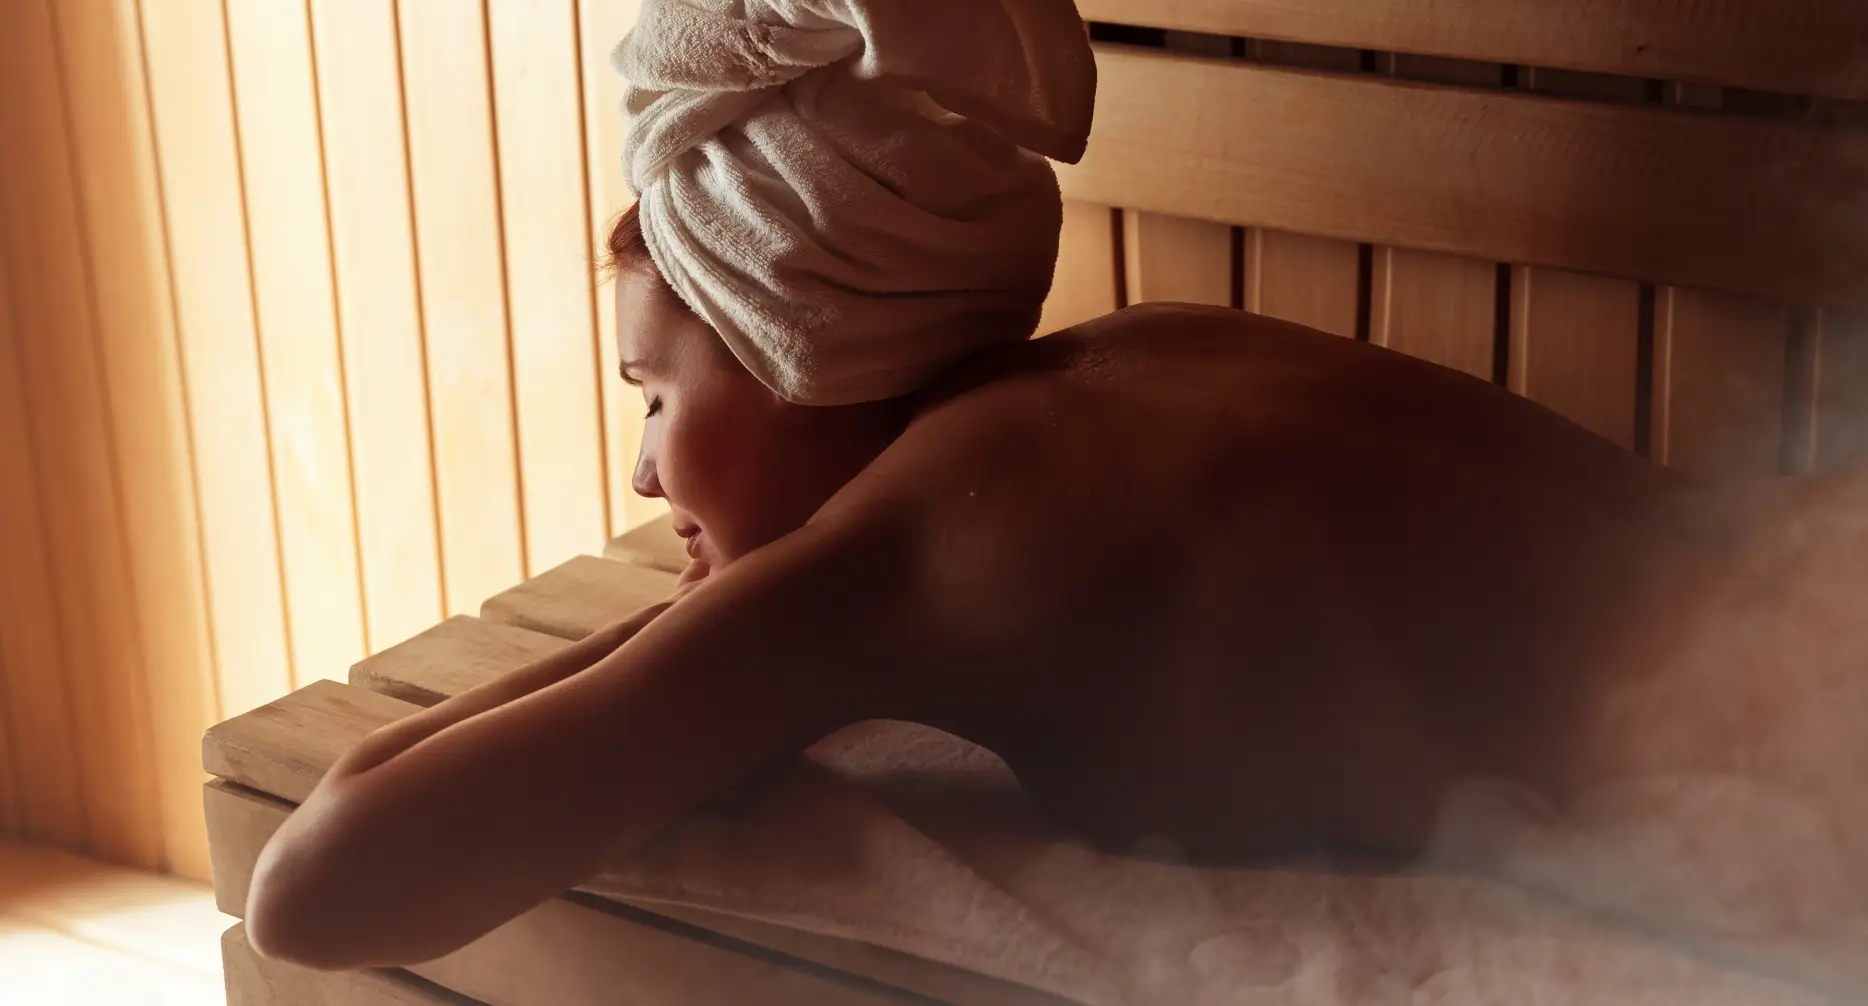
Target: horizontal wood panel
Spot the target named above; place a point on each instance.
(1793, 46)
(1658, 194)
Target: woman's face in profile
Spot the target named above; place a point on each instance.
(739, 466)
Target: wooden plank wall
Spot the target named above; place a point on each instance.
(299, 353)
(1714, 383)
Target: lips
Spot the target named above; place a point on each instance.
(690, 534)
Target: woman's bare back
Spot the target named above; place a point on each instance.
(1233, 584)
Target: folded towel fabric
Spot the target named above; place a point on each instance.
(855, 193)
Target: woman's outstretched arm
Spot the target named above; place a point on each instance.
(421, 842)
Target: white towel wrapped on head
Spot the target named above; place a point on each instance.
(854, 193)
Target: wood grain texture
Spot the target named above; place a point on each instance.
(455, 184)
(373, 245)
(537, 90)
(458, 655)
(1084, 285)
(1574, 347)
(1639, 192)
(1305, 279)
(284, 747)
(1719, 380)
(253, 980)
(1442, 308)
(1800, 46)
(80, 510)
(115, 169)
(196, 141)
(579, 597)
(51, 803)
(654, 545)
(601, 25)
(1842, 390)
(282, 166)
(1177, 259)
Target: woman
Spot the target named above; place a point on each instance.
(1193, 574)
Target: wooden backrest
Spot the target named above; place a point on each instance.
(1652, 217)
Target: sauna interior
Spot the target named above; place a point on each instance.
(308, 418)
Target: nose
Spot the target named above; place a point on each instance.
(647, 483)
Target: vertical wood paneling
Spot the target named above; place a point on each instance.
(463, 285)
(1084, 285)
(1842, 389)
(373, 253)
(1719, 382)
(196, 143)
(1442, 308)
(1720, 372)
(1174, 259)
(537, 85)
(602, 24)
(297, 319)
(100, 45)
(1575, 339)
(1309, 280)
(73, 453)
(39, 714)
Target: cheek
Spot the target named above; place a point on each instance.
(716, 463)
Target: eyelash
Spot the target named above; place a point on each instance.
(654, 407)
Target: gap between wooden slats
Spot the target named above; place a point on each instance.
(1719, 368)
(72, 449)
(379, 317)
(537, 84)
(455, 190)
(115, 167)
(1169, 258)
(1791, 46)
(1442, 308)
(1575, 339)
(1302, 278)
(197, 148)
(287, 224)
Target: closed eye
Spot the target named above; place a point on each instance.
(655, 408)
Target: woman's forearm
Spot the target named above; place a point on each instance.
(405, 733)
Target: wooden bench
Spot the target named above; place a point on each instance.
(578, 950)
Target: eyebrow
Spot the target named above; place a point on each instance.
(623, 369)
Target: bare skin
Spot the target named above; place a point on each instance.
(1194, 574)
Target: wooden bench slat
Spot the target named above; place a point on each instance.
(1658, 194)
(253, 980)
(459, 654)
(1810, 47)
(579, 597)
(654, 544)
(283, 748)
